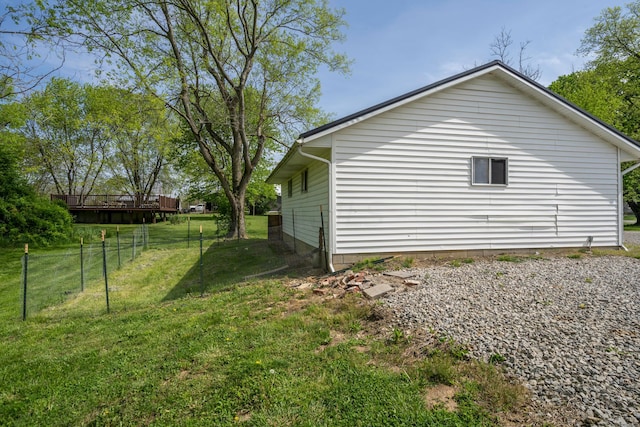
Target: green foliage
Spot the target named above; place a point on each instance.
(261, 355)
(177, 219)
(439, 368)
(610, 87)
(509, 258)
(594, 91)
(397, 336)
(407, 262)
(496, 358)
(238, 96)
(24, 216)
(374, 264)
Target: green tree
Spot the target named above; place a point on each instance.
(190, 53)
(24, 216)
(140, 132)
(593, 90)
(68, 134)
(614, 43)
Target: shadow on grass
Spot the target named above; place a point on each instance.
(226, 264)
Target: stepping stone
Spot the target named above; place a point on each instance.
(378, 291)
(400, 274)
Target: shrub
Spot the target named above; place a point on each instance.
(26, 217)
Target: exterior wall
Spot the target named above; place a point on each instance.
(303, 208)
(403, 178)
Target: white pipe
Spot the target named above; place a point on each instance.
(320, 159)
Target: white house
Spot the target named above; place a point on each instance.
(487, 160)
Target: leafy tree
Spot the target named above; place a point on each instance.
(192, 53)
(594, 91)
(140, 130)
(24, 216)
(614, 43)
(68, 135)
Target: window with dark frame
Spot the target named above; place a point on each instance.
(290, 188)
(304, 182)
(489, 171)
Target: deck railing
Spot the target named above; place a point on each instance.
(117, 201)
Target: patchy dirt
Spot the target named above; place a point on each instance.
(441, 395)
(319, 288)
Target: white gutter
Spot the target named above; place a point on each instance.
(330, 165)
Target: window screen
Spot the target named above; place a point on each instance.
(489, 171)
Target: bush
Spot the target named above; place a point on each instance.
(26, 217)
(34, 220)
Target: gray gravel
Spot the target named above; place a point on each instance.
(568, 328)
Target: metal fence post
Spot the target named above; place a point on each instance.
(201, 278)
(188, 230)
(118, 244)
(133, 245)
(82, 264)
(104, 270)
(144, 234)
(24, 285)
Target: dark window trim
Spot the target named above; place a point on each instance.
(290, 188)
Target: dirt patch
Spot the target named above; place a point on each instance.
(441, 395)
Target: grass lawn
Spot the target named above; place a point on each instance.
(253, 353)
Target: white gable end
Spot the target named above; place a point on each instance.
(403, 177)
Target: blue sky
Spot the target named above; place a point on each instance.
(401, 45)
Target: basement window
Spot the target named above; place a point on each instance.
(304, 181)
(290, 188)
(488, 171)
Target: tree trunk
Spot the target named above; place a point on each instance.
(635, 208)
(237, 226)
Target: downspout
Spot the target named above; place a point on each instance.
(623, 173)
(330, 167)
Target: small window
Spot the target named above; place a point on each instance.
(304, 181)
(290, 188)
(489, 171)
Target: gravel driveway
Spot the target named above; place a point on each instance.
(568, 328)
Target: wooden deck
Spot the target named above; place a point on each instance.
(118, 208)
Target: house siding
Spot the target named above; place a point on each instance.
(403, 178)
(302, 209)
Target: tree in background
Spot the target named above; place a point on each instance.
(501, 49)
(21, 69)
(67, 134)
(25, 217)
(140, 133)
(610, 86)
(192, 53)
(594, 91)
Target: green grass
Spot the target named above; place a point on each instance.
(248, 353)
